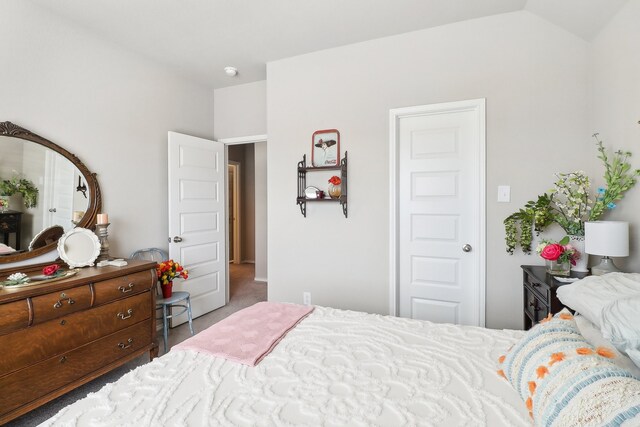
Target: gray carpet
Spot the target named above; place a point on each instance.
(243, 293)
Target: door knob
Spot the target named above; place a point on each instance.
(467, 248)
(52, 210)
(177, 239)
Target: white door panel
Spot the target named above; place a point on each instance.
(58, 191)
(440, 203)
(196, 205)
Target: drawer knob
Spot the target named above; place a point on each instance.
(63, 297)
(126, 289)
(63, 322)
(125, 346)
(125, 316)
(534, 304)
(63, 359)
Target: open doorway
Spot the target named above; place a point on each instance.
(246, 169)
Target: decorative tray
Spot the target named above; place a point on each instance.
(40, 279)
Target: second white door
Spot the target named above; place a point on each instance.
(440, 151)
(197, 222)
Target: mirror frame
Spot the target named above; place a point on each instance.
(95, 200)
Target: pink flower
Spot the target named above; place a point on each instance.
(552, 251)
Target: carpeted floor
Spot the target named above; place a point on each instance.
(244, 292)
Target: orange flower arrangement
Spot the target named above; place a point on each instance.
(335, 180)
(169, 270)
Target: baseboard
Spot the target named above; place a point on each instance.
(260, 279)
(247, 261)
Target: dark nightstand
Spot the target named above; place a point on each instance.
(540, 293)
(10, 222)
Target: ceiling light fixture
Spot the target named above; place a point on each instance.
(231, 71)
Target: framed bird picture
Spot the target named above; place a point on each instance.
(325, 148)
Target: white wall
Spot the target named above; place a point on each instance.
(249, 205)
(534, 77)
(240, 110)
(261, 210)
(615, 62)
(110, 108)
(244, 155)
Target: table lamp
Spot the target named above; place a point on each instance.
(607, 239)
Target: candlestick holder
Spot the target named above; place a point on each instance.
(103, 236)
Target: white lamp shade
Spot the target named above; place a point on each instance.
(606, 238)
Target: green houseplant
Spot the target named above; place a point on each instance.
(17, 185)
(570, 204)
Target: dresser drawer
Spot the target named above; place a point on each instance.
(43, 341)
(540, 288)
(14, 316)
(121, 287)
(9, 223)
(536, 308)
(51, 306)
(57, 372)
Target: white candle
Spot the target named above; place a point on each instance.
(103, 218)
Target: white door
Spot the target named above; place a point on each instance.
(440, 216)
(197, 223)
(58, 191)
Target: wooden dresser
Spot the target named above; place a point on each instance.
(55, 337)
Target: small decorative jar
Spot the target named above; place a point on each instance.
(557, 268)
(335, 191)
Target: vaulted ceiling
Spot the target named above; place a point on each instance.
(198, 38)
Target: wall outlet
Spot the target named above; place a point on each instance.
(306, 298)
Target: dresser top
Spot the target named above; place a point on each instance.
(85, 275)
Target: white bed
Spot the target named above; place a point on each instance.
(336, 368)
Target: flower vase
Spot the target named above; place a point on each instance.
(335, 191)
(167, 290)
(557, 268)
(581, 263)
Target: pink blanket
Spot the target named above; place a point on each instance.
(248, 335)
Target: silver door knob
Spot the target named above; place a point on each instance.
(177, 239)
(52, 210)
(467, 248)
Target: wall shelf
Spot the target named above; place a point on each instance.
(303, 169)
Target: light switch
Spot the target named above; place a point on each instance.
(504, 193)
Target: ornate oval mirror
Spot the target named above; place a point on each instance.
(45, 191)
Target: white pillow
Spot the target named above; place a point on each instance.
(635, 356)
(4, 249)
(592, 334)
(591, 294)
(621, 326)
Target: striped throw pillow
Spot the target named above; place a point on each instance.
(564, 381)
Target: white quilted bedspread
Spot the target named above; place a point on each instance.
(336, 368)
